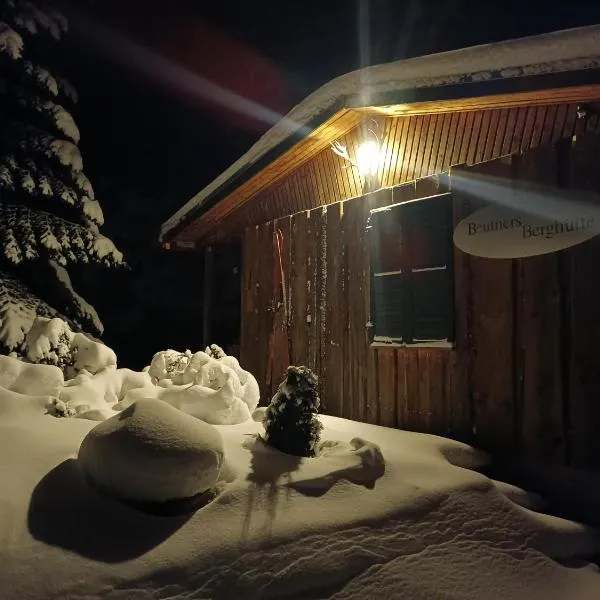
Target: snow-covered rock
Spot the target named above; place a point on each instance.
(34, 380)
(152, 452)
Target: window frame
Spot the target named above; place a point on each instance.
(409, 341)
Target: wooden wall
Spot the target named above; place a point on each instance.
(412, 147)
(524, 374)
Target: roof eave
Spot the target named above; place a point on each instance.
(496, 84)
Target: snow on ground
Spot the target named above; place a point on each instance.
(379, 513)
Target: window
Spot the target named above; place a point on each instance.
(412, 281)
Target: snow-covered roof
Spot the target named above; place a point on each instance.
(562, 51)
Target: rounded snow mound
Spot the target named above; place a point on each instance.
(152, 453)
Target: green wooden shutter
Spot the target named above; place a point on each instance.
(429, 256)
(412, 271)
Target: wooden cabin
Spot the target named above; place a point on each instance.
(353, 218)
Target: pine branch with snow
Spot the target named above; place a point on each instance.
(29, 234)
(49, 215)
(19, 308)
(77, 307)
(24, 177)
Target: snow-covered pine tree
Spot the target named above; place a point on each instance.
(49, 218)
(291, 423)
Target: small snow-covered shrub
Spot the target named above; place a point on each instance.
(291, 423)
(169, 364)
(215, 351)
(211, 385)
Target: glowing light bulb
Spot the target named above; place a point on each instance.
(367, 157)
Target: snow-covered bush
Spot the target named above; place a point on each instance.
(217, 390)
(49, 217)
(52, 342)
(291, 423)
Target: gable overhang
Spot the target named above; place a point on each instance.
(577, 81)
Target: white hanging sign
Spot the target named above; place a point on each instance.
(549, 224)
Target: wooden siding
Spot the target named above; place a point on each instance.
(412, 147)
(524, 374)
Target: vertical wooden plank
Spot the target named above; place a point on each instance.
(265, 303)
(538, 127)
(336, 302)
(491, 334)
(530, 118)
(424, 389)
(559, 122)
(394, 127)
(413, 413)
(284, 226)
(488, 151)
(355, 358)
(409, 172)
(386, 371)
(482, 140)
(511, 124)
(401, 389)
(438, 164)
(401, 150)
(431, 145)
(298, 291)
(370, 377)
(352, 176)
(459, 373)
(548, 125)
(322, 300)
(437, 391)
(453, 134)
(416, 169)
(467, 134)
(571, 120)
(474, 137)
(313, 289)
(402, 165)
(248, 320)
(500, 133)
(517, 137)
(329, 177)
(584, 296)
(250, 330)
(492, 366)
(543, 437)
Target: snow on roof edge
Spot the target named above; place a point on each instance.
(554, 52)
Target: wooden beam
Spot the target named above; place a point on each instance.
(582, 93)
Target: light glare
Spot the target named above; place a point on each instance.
(367, 157)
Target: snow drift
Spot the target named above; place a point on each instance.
(335, 526)
(209, 385)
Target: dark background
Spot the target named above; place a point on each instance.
(154, 133)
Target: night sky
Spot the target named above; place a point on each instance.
(151, 139)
